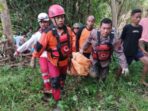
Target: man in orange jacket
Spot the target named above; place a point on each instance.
(58, 41)
(83, 34)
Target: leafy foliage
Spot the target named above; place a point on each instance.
(24, 13)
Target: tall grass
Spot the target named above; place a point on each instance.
(20, 91)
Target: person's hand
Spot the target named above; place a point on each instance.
(81, 51)
(125, 71)
(32, 62)
(16, 54)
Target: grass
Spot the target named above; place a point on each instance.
(20, 91)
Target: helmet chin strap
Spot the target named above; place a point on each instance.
(60, 27)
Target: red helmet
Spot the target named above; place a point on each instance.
(55, 10)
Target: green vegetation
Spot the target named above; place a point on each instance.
(20, 91)
(20, 88)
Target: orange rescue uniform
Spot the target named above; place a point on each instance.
(49, 42)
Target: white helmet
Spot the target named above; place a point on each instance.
(43, 16)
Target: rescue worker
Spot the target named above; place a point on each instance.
(83, 34)
(43, 21)
(76, 27)
(103, 44)
(59, 43)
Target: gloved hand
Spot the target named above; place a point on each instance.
(81, 51)
(125, 71)
(16, 54)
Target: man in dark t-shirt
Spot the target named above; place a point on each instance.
(130, 38)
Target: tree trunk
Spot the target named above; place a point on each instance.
(6, 25)
(114, 13)
(114, 16)
(116, 9)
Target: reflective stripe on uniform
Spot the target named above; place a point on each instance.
(44, 74)
(46, 80)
